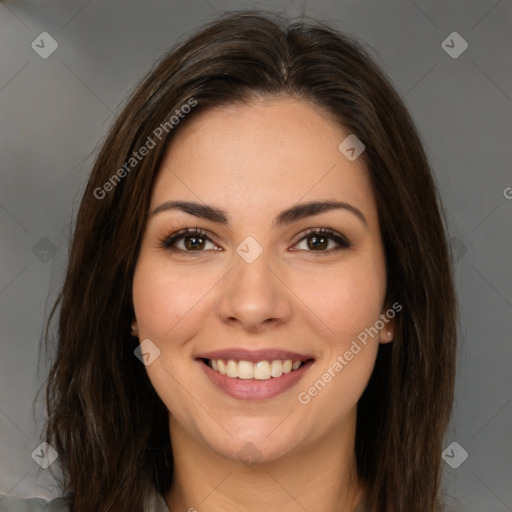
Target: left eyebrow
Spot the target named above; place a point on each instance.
(303, 210)
(293, 214)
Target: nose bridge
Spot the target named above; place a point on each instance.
(252, 269)
(252, 296)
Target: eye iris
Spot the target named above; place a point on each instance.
(317, 242)
(194, 242)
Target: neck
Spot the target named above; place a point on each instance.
(320, 476)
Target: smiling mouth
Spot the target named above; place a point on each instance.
(247, 370)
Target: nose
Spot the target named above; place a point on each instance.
(253, 297)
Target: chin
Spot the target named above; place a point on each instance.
(251, 445)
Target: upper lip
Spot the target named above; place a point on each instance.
(254, 356)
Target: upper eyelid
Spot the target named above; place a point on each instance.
(188, 231)
(322, 230)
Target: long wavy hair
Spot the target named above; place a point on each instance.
(105, 420)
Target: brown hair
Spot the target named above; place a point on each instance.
(105, 420)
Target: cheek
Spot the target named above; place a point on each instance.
(347, 301)
(165, 300)
(168, 309)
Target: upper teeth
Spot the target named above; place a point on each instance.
(262, 370)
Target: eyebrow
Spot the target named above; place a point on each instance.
(288, 216)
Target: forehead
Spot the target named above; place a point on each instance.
(261, 155)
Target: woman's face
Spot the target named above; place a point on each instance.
(265, 280)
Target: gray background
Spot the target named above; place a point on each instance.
(55, 111)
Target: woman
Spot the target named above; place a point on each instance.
(259, 310)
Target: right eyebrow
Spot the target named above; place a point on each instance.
(193, 208)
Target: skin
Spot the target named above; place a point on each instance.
(253, 161)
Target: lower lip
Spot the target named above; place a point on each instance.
(252, 389)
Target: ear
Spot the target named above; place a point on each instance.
(387, 333)
(135, 329)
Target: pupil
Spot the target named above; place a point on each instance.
(317, 242)
(193, 242)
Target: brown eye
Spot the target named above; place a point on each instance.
(317, 242)
(193, 243)
(322, 240)
(189, 240)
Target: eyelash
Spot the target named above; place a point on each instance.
(343, 243)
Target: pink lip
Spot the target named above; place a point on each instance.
(255, 389)
(254, 356)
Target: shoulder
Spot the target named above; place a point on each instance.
(13, 504)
